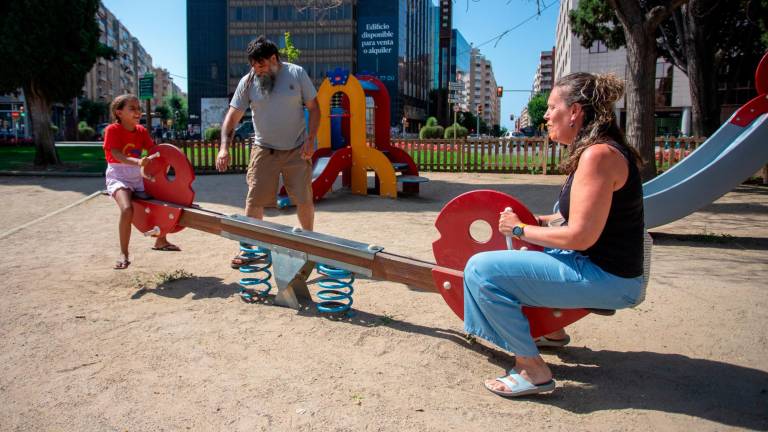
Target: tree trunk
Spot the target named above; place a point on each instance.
(640, 34)
(70, 130)
(702, 70)
(640, 96)
(40, 119)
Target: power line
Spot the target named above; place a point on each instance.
(498, 37)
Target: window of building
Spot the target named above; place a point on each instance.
(214, 71)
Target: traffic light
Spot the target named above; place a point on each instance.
(479, 110)
(21, 111)
(499, 91)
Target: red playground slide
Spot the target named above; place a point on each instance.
(326, 167)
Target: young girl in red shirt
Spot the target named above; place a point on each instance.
(124, 142)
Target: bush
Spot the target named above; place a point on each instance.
(431, 129)
(431, 132)
(212, 134)
(85, 132)
(461, 131)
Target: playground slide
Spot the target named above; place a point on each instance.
(706, 152)
(731, 155)
(326, 167)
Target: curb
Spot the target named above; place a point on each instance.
(50, 174)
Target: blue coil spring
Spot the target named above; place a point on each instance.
(336, 294)
(256, 286)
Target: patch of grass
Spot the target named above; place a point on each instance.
(139, 282)
(386, 319)
(470, 339)
(357, 399)
(85, 158)
(178, 274)
(711, 237)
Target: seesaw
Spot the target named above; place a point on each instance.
(295, 252)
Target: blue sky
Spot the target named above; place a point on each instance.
(161, 26)
(516, 56)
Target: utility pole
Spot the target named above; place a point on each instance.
(477, 118)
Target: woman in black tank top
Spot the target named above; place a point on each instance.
(593, 260)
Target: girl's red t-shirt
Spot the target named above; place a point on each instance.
(129, 143)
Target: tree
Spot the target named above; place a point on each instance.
(93, 112)
(705, 38)
(469, 121)
(498, 131)
(638, 22)
(163, 112)
(290, 53)
(701, 38)
(178, 111)
(537, 106)
(48, 46)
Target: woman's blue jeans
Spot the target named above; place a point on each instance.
(497, 284)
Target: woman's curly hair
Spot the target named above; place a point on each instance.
(597, 94)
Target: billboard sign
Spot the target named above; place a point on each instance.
(212, 112)
(377, 47)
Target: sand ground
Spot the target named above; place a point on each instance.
(86, 348)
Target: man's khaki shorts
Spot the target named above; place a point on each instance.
(264, 171)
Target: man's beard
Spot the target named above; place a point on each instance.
(267, 81)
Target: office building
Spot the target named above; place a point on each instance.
(392, 39)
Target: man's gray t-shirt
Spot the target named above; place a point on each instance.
(278, 117)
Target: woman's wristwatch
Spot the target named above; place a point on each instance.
(518, 230)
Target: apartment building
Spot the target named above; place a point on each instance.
(110, 78)
(482, 92)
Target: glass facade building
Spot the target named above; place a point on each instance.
(435, 41)
(395, 42)
(461, 54)
(392, 39)
(325, 37)
(206, 53)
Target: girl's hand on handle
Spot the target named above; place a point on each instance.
(143, 162)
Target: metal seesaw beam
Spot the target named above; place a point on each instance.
(359, 257)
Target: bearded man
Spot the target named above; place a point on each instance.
(277, 93)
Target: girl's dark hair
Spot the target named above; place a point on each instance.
(119, 103)
(597, 94)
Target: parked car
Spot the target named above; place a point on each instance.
(99, 129)
(244, 131)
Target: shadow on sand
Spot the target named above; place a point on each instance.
(728, 394)
(199, 287)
